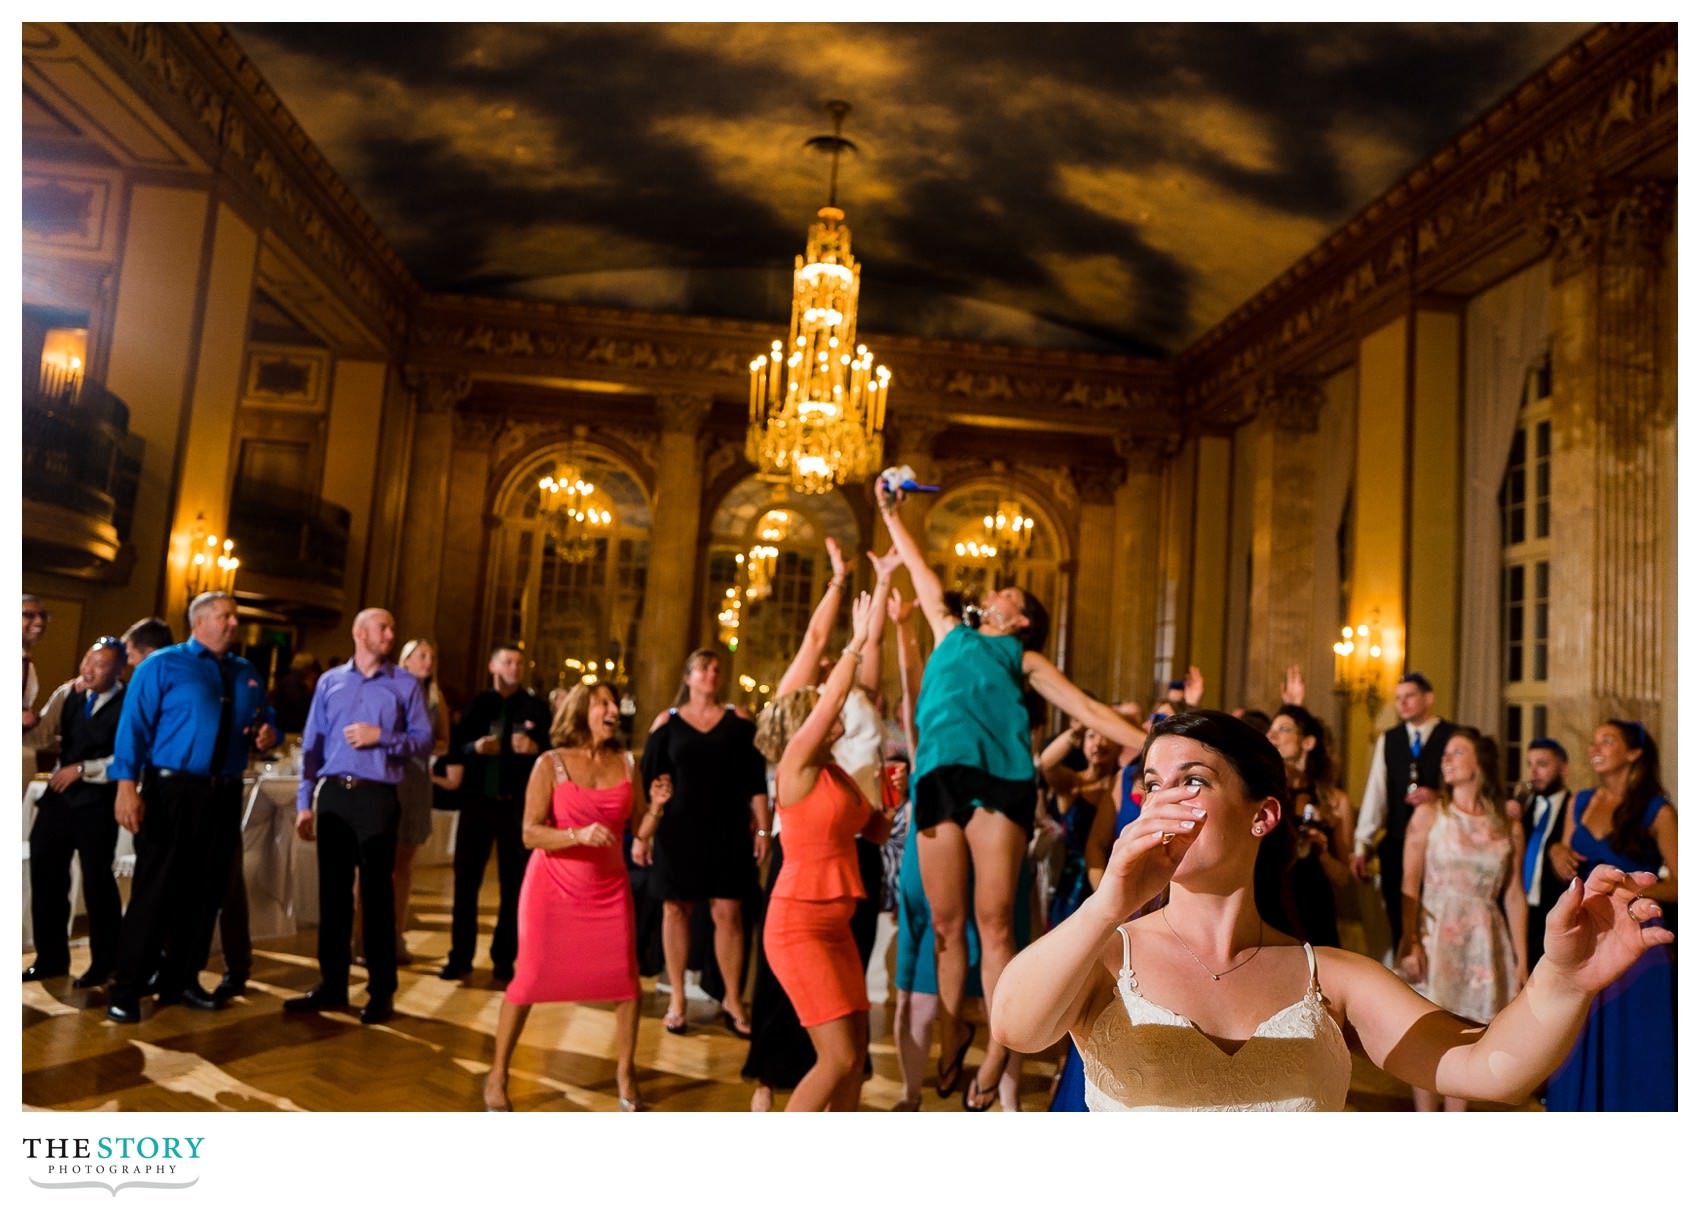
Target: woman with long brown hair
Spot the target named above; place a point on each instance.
(1193, 1007)
(1626, 1058)
(1465, 916)
(714, 835)
(419, 658)
(1323, 823)
(577, 930)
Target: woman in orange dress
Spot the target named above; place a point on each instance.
(807, 932)
(577, 935)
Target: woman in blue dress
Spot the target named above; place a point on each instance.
(1625, 1059)
(973, 780)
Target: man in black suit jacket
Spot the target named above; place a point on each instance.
(75, 816)
(1544, 806)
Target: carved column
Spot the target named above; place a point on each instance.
(422, 554)
(667, 632)
(1609, 497)
(467, 530)
(1135, 573)
(1285, 449)
(1092, 661)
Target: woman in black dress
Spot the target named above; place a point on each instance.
(1322, 822)
(703, 849)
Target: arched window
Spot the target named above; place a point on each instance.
(571, 594)
(969, 539)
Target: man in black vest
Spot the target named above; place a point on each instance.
(1404, 773)
(499, 737)
(1544, 806)
(74, 816)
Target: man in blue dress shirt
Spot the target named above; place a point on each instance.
(366, 720)
(190, 713)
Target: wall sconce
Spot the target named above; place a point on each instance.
(1360, 664)
(212, 564)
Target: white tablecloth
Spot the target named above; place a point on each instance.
(282, 871)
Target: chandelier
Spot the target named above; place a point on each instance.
(817, 402)
(1006, 536)
(570, 515)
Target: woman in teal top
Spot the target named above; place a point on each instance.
(974, 792)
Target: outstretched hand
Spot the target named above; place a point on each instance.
(885, 566)
(1601, 926)
(1194, 692)
(897, 610)
(885, 496)
(836, 555)
(861, 615)
(1149, 849)
(1293, 686)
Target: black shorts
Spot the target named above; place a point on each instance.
(953, 793)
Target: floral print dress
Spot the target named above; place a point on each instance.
(1472, 969)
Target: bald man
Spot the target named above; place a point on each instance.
(366, 720)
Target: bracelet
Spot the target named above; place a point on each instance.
(836, 583)
(763, 834)
(850, 650)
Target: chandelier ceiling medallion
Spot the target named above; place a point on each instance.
(817, 402)
(572, 513)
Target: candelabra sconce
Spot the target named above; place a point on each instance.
(212, 562)
(730, 616)
(1360, 664)
(758, 567)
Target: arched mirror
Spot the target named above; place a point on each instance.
(570, 559)
(984, 536)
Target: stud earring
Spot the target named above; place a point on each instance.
(1258, 830)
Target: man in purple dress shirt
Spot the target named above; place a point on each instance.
(366, 720)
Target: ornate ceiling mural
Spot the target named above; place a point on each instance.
(1117, 188)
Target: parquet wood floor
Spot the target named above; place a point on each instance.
(431, 1057)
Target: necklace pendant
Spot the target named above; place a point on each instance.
(1215, 977)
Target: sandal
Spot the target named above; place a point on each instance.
(674, 1023)
(974, 1093)
(954, 1070)
(738, 1027)
(634, 1104)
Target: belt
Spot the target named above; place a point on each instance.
(212, 781)
(350, 781)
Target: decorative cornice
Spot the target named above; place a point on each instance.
(224, 106)
(1604, 103)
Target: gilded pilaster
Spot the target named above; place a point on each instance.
(1285, 449)
(1608, 497)
(666, 634)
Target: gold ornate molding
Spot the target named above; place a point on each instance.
(1625, 222)
(225, 107)
(683, 412)
(436, 392)
(1606, 102)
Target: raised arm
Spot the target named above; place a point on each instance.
(1054, 685)
(801, 672)
(868, 671)
(929, 594)
(1059, 778)
(1595, 932)
(908, 665)
(806, 741)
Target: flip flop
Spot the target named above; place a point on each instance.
(954, 1070)
(974, 1093)
(675, 1024)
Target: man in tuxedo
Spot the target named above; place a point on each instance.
(75, 816)
(1404, 773)
(1544, 807)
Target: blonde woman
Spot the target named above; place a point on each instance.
(577, 928)
(807, 934)
(419, 658)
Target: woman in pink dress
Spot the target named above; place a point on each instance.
(577, 939)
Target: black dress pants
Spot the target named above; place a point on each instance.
(190, 827)
(483, 824)
(234, 937)
(83, 825)
(356, 830)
